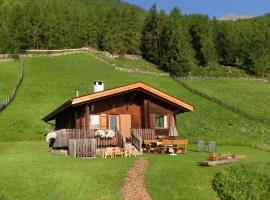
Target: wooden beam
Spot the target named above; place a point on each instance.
(87, 117)
(146, 113)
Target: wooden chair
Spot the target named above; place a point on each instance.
(108, 152)
(130, 152)
(118, 151)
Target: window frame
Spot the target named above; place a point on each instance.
(165, 121)
(117, 122)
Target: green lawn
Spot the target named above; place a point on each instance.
(182, 177)
(49, 82)
(122, 62)
(29, 171)
(252, 97)
(9, 73)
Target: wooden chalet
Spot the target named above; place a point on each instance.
(136, 112)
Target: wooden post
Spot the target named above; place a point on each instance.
(146, 113)
(72, 147)
(140, 143)
(87, 117)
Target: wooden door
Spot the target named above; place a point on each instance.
(125, 125)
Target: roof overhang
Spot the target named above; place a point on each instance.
(118, 91)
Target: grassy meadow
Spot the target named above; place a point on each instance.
(252, 97)
(9, 73)
(182, 177)
(50, 81)
(29, 171)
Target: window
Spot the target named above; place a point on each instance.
(161, 121)
(113, 122)
(94, 121)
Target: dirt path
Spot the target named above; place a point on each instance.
(134, 188)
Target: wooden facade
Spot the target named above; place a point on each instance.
(135, 106)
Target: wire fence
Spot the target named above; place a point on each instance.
(225, 105)
(198, 78)
(12, 95)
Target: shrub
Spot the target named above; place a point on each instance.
(244, 181)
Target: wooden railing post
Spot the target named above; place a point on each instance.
(140, 143)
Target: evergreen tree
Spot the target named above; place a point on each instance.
(173, 58)
(150, 41)
(202, 34)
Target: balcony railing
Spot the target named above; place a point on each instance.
(145, 134)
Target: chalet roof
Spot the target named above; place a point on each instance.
(119, 90)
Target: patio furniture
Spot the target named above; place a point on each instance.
(108, 152)
(180, 146)
(150, 145)
(117, 151)
(130, 152)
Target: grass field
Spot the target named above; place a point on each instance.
(49, 82)
(29, 171)
(182, 177)
(252, 97)
(9, 73)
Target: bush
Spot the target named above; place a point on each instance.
(244, 181)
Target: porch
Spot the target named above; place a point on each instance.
(86, 142)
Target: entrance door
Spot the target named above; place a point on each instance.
(125, 125)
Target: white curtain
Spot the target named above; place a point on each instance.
(173, 131)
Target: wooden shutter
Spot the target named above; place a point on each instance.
(103, 121)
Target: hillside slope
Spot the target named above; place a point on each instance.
(251, 97)
(49, 82)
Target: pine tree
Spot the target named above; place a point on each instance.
(173, 58)
(151, 36)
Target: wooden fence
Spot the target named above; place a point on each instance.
(64, 135)
(12, 95)
(82, 147)
(193, 78)
(145, 134)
